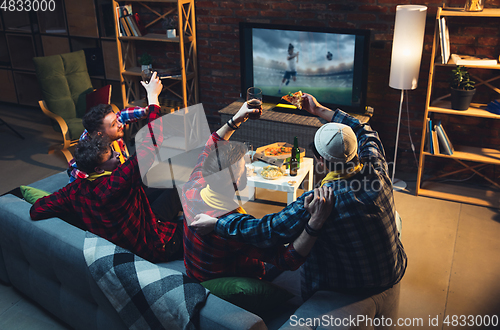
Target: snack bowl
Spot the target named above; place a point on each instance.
(272, 172)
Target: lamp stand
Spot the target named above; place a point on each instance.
(396, 183)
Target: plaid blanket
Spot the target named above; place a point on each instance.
(146, 296)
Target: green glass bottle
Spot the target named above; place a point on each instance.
(295, 159)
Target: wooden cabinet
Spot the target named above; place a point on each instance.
(472, 158)
(71, 26)
(181, 87)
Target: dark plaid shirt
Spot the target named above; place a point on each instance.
(210, 256)
(359, 246)
(114, 207)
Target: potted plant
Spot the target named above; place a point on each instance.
(169, 24)
(146, 61)
(462, 88)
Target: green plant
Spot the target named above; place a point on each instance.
(460, 79)
(146, 59)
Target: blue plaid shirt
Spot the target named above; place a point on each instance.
(358, 248)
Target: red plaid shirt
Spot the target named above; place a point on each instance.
(114, 207)
(211, 256)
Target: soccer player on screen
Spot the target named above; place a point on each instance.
(291, 71)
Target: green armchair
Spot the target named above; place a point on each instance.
(65, 82)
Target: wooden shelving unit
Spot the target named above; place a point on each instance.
(481, 157)
(182, 88)
(72, 26)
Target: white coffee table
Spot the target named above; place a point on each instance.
(282, 184)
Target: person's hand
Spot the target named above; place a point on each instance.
(153, 88)
(203, 224)
(242, 115)
(319, 205)
(310, 104)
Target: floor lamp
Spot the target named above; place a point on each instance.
(407, 45)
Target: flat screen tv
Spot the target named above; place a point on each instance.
(328, 63)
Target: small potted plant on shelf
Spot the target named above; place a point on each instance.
(169, 24)
(146, 61)
(462, 88)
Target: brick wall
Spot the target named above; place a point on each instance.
(219, 70)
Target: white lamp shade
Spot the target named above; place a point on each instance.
(407, 45)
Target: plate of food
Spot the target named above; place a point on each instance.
(279, 150)
(271, 172)
(276, 153)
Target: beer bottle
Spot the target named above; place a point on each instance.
(295, 159)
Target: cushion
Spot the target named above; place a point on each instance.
(64, 82)
(254, 295)
(75, 128)
(31, 194)
(99, 96)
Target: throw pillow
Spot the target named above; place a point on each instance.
(254, 295)
(99, 96)
(31, 194)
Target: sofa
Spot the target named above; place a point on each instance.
(45, 261)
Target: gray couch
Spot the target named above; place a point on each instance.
(44, 260)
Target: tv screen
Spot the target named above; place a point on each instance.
(330, 64)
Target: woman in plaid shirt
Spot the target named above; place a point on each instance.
(211, 190)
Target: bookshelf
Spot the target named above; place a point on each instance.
(72, 26)
(471, 158)
(181, 89)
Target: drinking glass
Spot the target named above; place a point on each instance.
(254, 101)
(249, 153)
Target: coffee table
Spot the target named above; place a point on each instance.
(282, 184)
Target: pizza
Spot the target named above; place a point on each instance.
(271, 172)
(277, 151)
(295, 99)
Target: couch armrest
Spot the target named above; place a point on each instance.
(52, 183)
(328, 305)
(219, 314)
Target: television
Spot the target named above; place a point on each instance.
(329, 63)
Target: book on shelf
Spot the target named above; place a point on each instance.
(132, 25)
(445, 144)
(433, 144)
(126, 28)
(429, 144)
(121, 13)
(435, 141)
(472, 60)
(444, 37)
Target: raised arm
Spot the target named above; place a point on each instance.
(311, 105)
(234, 123)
